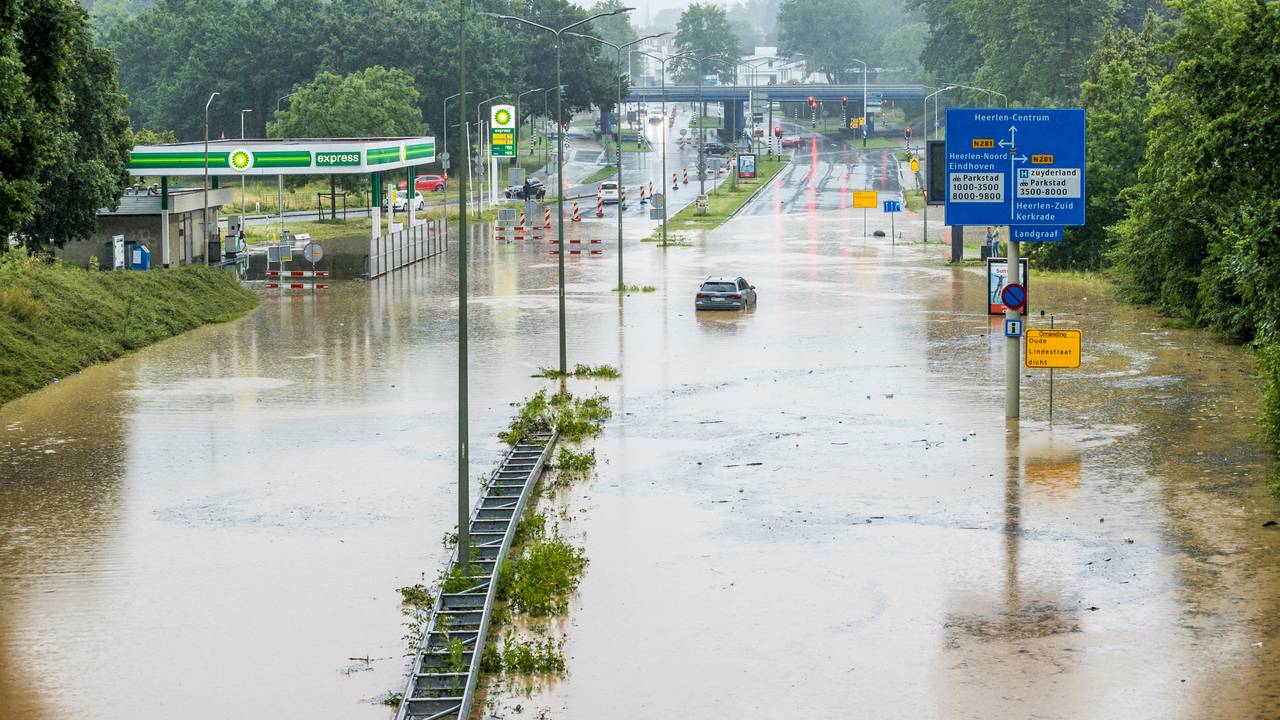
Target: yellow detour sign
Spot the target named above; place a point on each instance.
(1053, 348)
(915, 164)
(866, 199)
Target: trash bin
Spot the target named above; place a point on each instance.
(215, 251)
(140, 258)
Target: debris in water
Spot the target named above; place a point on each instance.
(1256, 645)
(1269, 523)
(750, 464)
(839, 442)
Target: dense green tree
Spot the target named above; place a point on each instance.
(64, 139)
(375, 102)
(703, 31)
(951, 51)
(1117, 96)
(617, 29)
(829, 34)
(1201, 238)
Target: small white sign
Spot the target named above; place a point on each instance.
(1013, 328)
(977, 187)
(1049, 183)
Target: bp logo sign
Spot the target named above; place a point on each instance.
(240, 160)
(503, 116)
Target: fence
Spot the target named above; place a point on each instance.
(407, 246)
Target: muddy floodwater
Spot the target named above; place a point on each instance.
(812, 508)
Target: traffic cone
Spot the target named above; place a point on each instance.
(674, 185)
(650, 188)
(546, 218)
(686, 176)
(576, 216)
(599, 205)
(643, 199)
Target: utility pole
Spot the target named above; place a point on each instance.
(205, 228)
(464, 437)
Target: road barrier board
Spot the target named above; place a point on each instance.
(865, 199)
(1058, 349)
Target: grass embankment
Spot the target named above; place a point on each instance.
(355, 227)
(601, 174)
(724, 200)
(56, 319)
(709, 122)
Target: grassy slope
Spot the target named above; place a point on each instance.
(724, 201)
(58, 319)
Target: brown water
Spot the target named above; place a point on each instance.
(216, 526)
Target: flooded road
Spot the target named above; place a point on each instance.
(814, 507)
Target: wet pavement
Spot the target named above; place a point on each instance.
(815, 507)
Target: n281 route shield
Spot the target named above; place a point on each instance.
(1015, 166)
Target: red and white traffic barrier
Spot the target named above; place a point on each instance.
(297, 286)
(643, 199)
(297, 273)
(599, 205)
(674, 185)
(651, 189)
(546, 218)
(577, 217)
(686, 176)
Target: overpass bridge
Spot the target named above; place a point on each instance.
(781, 93)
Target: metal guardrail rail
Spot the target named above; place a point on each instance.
(433, 690)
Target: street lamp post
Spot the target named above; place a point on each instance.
(751, 95)
(935, 133)
(702, 125)
(444, 117)
(1003, 97)
(280, 178)
(205, 228)
(864, 100)
(564, 358)
(662, 72)
(515, 160)
(617, 109)
(464, 433)
(242, 199)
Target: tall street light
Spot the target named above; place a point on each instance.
(464, 435)
(445, 120)
(242, 199)
(564, 358)
(1003, 97)
(205, 229)
(864, 100)
(662, 71)
(618, 126)
(935, 108)
(751, 92)
(702, 124)
(280, 178)
(516, 160)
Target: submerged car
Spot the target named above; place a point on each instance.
(722, 293)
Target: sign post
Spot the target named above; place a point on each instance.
(865, 199)
(893, 207)
(1053, 349)
(1016, 167)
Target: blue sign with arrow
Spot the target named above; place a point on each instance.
(1015, 166)
(892, 206)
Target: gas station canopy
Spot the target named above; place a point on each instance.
(345, 156)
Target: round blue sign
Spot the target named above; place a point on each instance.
(1014, 296)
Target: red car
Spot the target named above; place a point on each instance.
(793, 141)
(430, 183)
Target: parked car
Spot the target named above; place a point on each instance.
(609, 191)
(430, 183)
(716, 148)
(517, 192)
(722, 293)
(402, 203)
(793, 141)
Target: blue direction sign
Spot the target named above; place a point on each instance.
(892, 206)
(1015, 166)
(1035, 234)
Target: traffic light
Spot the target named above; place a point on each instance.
(907, 133)
(844, 101)
(777, 131)
(813, 103)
